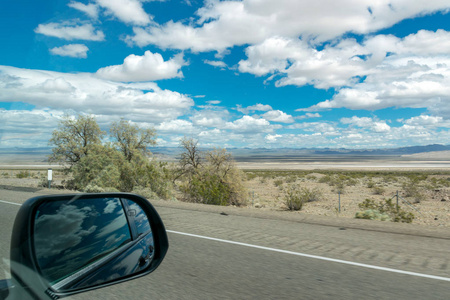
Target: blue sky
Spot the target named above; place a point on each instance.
(252, 73)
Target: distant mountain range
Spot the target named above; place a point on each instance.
(249, 154)
(242, 154)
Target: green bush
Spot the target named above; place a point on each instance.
(92, 188)
(311, 177)
(378, 190)
(278, 182)
(23, 174)
(411, 189)
(99, 168)
(291, 179)
(211, 177)
(326, 179)
(372, 214)
(209, 190)
(106, 168)
(386, 207)
(295, 196)
(43, 182)
(145, 192)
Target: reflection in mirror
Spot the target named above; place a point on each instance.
(140, 218)
(80, 239)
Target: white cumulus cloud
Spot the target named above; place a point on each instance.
(90, 9)
(248, 124)
(71, 30)
(223, 24)
(127, 11)
(85, 92)
(278, 116)
(71, 50)
(148, 67)
(253, 108)
(369, 123)
(215, 63)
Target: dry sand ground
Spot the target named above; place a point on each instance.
(386, 177)
(266, 182)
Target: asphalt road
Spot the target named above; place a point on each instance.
(197, 267)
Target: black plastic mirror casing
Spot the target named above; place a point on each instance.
(24, 269)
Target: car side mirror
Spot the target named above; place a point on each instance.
(67, 244)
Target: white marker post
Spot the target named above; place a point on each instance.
(50, 177)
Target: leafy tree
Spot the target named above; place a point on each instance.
(101, 168)
(130, 139)
(120, 166)
(211, 177)
(74, 138)
(190, 160)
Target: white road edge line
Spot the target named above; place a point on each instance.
(345, 262)
(7, 202)
(315, 257)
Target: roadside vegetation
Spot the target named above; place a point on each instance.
(424, 196)
(121, 160)
(94, 160)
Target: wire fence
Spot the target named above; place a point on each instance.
(404, 201)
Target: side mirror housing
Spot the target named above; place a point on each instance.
(67, 244)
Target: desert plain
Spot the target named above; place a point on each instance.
(421, 181)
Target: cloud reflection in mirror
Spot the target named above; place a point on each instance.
(70, 235)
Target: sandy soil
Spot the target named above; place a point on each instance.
(266, 192)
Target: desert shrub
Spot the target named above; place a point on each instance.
(295, 196)
(278, 182)
(338, 181)
(43, 182)
(159, 179)
(339, 186)
(385, 207)
(444, 182)
(417, 178)
(311, 177)
(106, 168)
(145, 192)
(370, 184)
(351, 182)
(436, 183)
(390, 178)
(326, 179)
(250, 175)
(372, 214)
(92, 188)
(99, 168)
(211, 177)
(412, 189)
(209, 190)
(291, 179)
(23, 174)
(378, 190)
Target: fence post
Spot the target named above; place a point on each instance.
(397, 200)
(339, 201)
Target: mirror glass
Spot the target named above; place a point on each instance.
(140, 218)
(76, 242)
